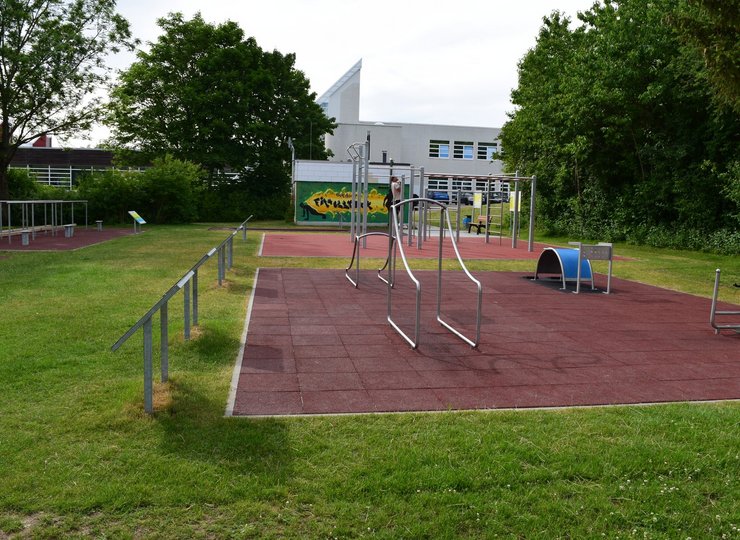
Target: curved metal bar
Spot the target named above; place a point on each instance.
(391, 250)
(473, 343)
(444, 216)
(356, 255)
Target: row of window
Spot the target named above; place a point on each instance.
(462, 150)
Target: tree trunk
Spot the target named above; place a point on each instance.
(6, 154)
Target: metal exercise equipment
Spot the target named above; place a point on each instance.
(356, 259)
(713, 314)
(574, 264)
(55, 213)
(444, 221)
(360, 154)
(186, 283)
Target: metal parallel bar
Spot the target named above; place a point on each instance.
(164, 342)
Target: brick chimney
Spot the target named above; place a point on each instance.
(43, 142)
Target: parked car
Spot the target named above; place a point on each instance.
(441, 196)
(467, 197)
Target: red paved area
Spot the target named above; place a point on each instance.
(317, 345)
(82, 238)
(340, 245)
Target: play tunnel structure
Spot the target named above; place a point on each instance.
(574, 264)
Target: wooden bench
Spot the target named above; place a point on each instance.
(481, 225)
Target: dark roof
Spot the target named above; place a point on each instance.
(62, 157)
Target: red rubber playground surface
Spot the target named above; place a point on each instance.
(316, 345)
(83, 237)
(340, 245)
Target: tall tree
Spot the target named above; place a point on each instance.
(615, 117)
(51, 65)
(207, 94)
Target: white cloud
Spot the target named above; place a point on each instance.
(423, 61)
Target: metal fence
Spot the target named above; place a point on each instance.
(189, 282)
(67, 177)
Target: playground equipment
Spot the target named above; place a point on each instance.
(57, 215)
(713, 313)
(356, 258)
(574, 264)
(391, 263)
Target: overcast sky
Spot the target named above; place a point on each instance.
(452, 62)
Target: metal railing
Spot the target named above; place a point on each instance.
(189, 281)
(713, 314)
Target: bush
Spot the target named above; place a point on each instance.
(22, 186)
(170, 187)
(165, 193)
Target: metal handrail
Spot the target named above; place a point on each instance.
(713, 314)
(444, 216)
(356, 256)
(190, 278)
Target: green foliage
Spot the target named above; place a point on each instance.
(164, 193)
(170, 186)
(617, 120)
(22, 185)
(713, 28)
(52, 61)
(207, 94)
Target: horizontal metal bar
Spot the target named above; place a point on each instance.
(166, 297)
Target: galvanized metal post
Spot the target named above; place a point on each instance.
(532, 194)
(195, 297)
(230, 244)
(163, 343)
(186, 309)
(515, 220)
(220, 265)
(148, 388)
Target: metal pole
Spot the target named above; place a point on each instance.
(195, 297)
(488, 210)
(422, 211)
(366, 187)
(457, 230)
(533, 193)
(230, 245)
(163, 345)
(353, 202)
(148, 390)
(220, 265)
(186, 310)
(515, 220)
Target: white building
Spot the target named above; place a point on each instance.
(452, 156)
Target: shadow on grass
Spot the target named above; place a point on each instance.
(194, 427)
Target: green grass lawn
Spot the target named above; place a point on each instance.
(79, 458)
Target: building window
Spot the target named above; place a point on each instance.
(463, 150)
(439, 149)
(487, 150)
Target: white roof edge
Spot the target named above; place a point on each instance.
(343, 79)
